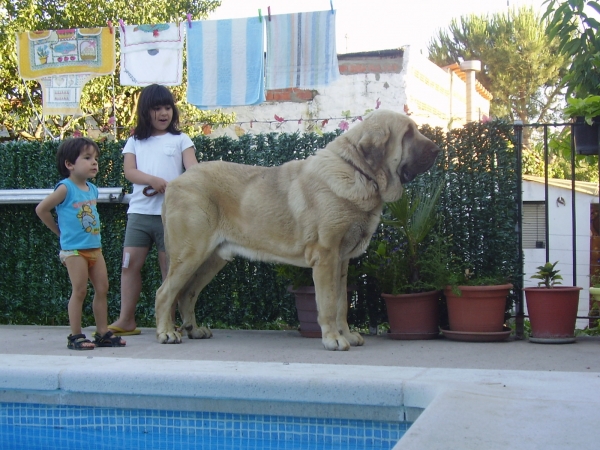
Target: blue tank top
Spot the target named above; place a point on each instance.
(78, 219)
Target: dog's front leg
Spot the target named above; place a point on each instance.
(355, 339)
(326, 275)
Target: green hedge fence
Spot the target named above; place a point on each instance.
(479, 207)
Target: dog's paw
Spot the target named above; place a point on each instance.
(335, 342)
(199, 333)
(172, 337)
(355, 339)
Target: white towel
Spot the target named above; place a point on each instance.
(225, 61)
(152, 54)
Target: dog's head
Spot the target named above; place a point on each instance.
(393, 150)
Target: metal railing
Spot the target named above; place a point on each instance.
(518, 128)
(34, 196)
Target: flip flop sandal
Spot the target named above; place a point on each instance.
(108, 340)
(75, 342)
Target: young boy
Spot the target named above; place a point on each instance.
(78, 227)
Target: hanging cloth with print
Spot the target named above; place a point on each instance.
(62, 61)
(152, 54)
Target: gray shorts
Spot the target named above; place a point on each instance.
(142, 230)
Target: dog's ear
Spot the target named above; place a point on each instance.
(373, 143)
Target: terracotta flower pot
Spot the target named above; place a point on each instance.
(413, 316)
(306, 307)
(552, 313)
(479, 309)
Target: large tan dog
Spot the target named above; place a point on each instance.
(318, 213)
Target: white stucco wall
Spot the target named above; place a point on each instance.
(430, 93)
(433, 96)
(356, 93)
(561, 239)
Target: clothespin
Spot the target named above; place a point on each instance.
(110, 26)
(259, 15)
(189, 20)
(122, 24)
(331, 3)
(269, 9)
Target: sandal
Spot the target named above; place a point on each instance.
(75, 342)
(108, 340)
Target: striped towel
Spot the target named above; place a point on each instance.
(152, 54)
(225, 61)
(301, 50)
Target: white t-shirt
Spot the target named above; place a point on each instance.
(160, 156)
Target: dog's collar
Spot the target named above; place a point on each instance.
(362, 172)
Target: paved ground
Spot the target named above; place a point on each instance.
(289, 346)
(470, 396)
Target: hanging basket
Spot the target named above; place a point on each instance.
(586, 136)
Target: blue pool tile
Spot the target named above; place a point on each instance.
(74, 427)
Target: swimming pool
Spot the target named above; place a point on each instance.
(41, 426)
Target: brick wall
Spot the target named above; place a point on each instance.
(386, 61)
(291, 95)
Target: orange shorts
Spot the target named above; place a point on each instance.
(90, 255)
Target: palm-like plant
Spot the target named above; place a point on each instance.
(414, 216)
(548, 274)
(411, 260)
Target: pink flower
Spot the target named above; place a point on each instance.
(77, 134)
(112, 120)
(344, 125)
(278, 119)
(377, 104)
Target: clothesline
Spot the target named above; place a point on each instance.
(63, 61)
(322, 121)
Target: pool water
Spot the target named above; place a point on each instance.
(38, 426)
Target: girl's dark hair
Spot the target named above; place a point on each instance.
(69, 150)
(152, 96)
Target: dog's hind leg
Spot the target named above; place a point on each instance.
(355, 339)
(183, 264)
(188, 297)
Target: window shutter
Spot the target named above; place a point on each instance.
(534, 225)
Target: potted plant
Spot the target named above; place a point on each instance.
(302, 286)
(409, 264)
(577, 33)
(476, 307)
(586, 115)
(552, 309)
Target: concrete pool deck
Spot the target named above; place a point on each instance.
(472, 395)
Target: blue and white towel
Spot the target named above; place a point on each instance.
(225, 61)
(152, 54)
(301, 50)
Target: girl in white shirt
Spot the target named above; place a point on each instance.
(157, 153)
